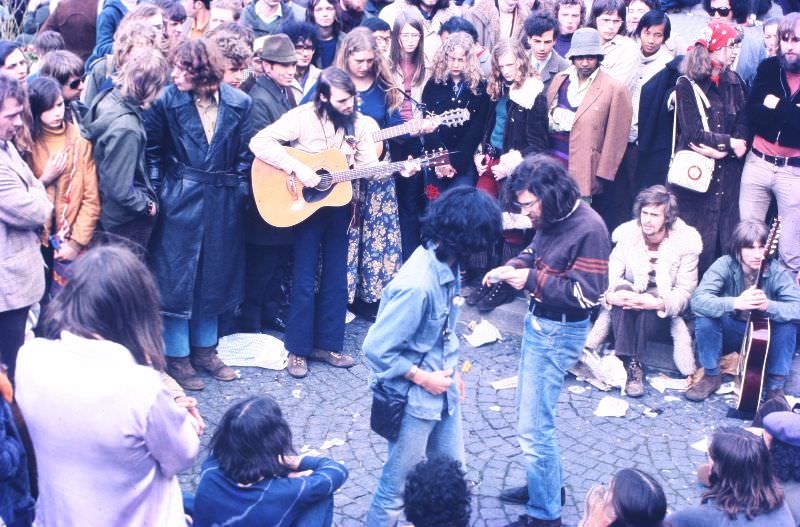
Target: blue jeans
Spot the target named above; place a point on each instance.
(549, 349)
(180, 335)
(715, 335)
(418, 438)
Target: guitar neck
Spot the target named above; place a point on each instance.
(395, 131)
(368, 172)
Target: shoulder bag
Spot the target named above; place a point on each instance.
(687, 168)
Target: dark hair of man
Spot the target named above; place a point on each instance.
(236, 29)
(746, 234)
(206, 3)
(652, 18)
(440, 4)
(540, 22)
(549, 181)
(61, 65)
(462, 221)
(436, 494)
(560, 3)
(301, 33)
(776, 404)
(741, 9)
(457, 23)
(375, 24)
(43, 93)
(7, 47)
(173, 11)
(251, 439)
(741, 476)
(11, 89)
(600, 7)
(111, 296)
(48, 41)
(337, 20)
(657, 195)
(637, 498)
(203, 61)
(785, 460)
(331, 77)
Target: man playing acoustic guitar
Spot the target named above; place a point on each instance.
(727, 292)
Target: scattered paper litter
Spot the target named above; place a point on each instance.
(296, 393)
(611, 407)
(727, 387)
(607, 368)
(330, 443)
(495, 408)
(577, 390)
(483, 332)
(502, 384)
(792, 400)
(671, 398)
(653, 412)
(701, 445)
(305, 448)
(253, 349)
(349, 317)
(661, 383)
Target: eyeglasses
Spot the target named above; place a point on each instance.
(722, 11)
(527, 204)
(76, 83)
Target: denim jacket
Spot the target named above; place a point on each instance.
(724, 281)
(414, 308)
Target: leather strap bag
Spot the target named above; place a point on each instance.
(687, 168)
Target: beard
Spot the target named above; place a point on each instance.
(339, 119)
(791, 67)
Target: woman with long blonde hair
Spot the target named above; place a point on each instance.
(456, 82)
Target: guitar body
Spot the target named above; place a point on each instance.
(486, 181)
(283, 201)
(752, 363)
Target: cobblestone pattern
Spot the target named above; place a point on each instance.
(334, 404)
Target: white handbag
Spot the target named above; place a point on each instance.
(687, 168)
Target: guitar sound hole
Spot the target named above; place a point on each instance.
(312, 194)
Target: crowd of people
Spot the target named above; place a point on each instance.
(175, 171)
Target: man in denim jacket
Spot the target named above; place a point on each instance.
(412, 347)
(725, 295)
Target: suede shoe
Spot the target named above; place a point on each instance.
(335, 359)
(705, 387)
(477, 294)
(634, 386)
(519, 495)
(499, 294)
(206, 359)
(180, 369)
(297, 367)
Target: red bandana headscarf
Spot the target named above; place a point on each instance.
(714, 37)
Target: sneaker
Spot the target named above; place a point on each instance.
(206, 359)
(634, 387)
(477, 294)
(705, 387)
(180, 369)
(499, 294)
(337, 360)
(297, 367)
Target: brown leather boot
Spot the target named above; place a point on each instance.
(337, 360)
(634, 386)
(206, 359)
(705, 387)
(180, 369)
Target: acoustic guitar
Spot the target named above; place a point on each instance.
(455, 117)
(755, 345)
(283, 201)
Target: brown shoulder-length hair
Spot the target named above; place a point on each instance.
(697, 63)
(657, 195)
(142, 77)
(337, 18)
(361, 39)
(742, 480)
(496, 83)
(472, 70)
(418, 56)
(203, 61)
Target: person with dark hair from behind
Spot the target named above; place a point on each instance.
(633, 499)
(782, 435)
(412, 348)
(113, 455)
(437, 494)
(721, 301)
(16, 504)
(44, 43)
(565, 268)
(744, 490)
(541, 30)
(253, 478)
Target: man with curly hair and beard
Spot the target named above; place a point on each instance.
(412, 348)
(437, 494)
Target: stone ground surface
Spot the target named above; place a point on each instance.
(334, 404)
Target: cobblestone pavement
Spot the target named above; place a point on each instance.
(334, 404)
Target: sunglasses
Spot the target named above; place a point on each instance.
(75, 84)
(723, 11)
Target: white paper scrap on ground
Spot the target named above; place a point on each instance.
(701, 445)
(727, 387)
(611, 407)
(502, 384)
(483, 332)
(330, 443)
(651, 413)
(607, 368)
(349, 317)
(495, 408)
(661, 383)
(671, 398)
(253, 349)
(297, 393)
(792, 400)
(577, 390)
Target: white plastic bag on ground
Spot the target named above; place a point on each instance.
(253, 349)
(608, 368)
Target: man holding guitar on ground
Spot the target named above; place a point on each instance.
(315, 326)
(728, 292)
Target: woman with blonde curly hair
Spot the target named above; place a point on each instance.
(456, 82)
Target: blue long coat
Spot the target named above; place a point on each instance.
(197, 248)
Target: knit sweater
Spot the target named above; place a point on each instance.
(568, 261)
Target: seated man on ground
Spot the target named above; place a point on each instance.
(652, 272)
(437, 494)
(723, 299)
